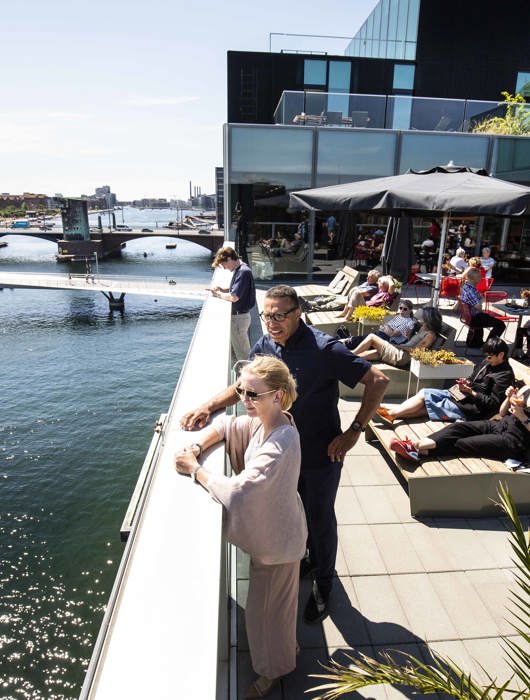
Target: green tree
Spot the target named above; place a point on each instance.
(443, 675)
(515, 122)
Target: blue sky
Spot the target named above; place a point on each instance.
(133, 94)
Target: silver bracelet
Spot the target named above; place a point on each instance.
(196, 444)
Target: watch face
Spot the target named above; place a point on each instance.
(356, 426)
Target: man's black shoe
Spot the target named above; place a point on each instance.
(317, 605)
(306, 567)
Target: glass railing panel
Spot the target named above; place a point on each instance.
(367, 111)
(478, 111)
(291, 103)
(425, 113)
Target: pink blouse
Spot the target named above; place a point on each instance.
(263, 513)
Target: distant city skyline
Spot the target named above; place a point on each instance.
(134, 95)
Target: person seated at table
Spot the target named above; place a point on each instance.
(458, 261)
(479, 319)
(386, 291)
(376, 349)
(481, 394)
(507, 437)
(446, 265)
(475, 262)
(487, 262)
(397, 330)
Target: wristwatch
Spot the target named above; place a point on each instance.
(357, 427)
(194, 472)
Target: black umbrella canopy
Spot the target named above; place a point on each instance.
(443, 190)
(459, 190)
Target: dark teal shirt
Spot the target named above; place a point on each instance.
(318, 362)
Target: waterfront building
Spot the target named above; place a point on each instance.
(411, 87)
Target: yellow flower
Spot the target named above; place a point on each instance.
(373, 313)
(436, 357)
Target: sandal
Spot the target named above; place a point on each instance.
(261, 687)
(385, 416)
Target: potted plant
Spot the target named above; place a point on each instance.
(439, 364)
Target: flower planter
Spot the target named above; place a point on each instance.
(440, 371)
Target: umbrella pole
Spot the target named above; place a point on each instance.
(311, 245)
(443, 238)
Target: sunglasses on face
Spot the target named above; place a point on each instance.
(251, 395)
(403, 308)
(278, 317)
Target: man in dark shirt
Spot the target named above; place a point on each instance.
(318, 362)
(242, 294)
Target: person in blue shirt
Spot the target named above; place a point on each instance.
(318, 362)
(242, 295)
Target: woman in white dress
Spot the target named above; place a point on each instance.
(263, 513)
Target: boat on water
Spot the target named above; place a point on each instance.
(199, 224)
(171, 246)
(3, 244)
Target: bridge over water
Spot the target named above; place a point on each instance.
(112, 287)
(112, 241)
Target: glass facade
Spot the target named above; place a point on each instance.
(389, 32)
(423, 151)
(511, 158)
(272, 155)
(263, 162)
(344, 156)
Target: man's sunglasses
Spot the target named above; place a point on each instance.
(278, 317)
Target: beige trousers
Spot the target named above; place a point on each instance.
(270, 616)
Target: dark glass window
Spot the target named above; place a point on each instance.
(315, 72)
(403, 77)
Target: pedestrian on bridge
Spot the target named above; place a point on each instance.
(242, 295)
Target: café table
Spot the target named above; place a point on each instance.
(513, 308)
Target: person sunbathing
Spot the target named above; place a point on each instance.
(384, 296)
(482, 393)
(507, 437)
(376, 349)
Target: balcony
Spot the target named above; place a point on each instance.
(399, 112)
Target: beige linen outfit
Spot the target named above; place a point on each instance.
(394, 355)
(264, 516)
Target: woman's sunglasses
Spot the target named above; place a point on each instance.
(251, 395)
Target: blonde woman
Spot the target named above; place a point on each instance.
(263, 513)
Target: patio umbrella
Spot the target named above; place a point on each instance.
(443, 190)
(398, 254)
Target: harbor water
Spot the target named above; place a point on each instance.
(82, 388)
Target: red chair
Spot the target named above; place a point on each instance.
(492, 297)
(465, 320)
(450, 288)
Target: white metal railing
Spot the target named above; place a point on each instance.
(165, 631)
